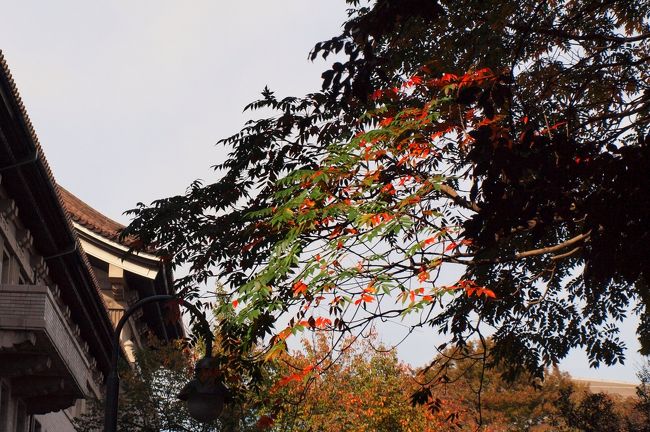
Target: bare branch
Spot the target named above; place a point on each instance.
(566, 254)
(459, 200)
(556, 248)
(581, 37)
(535, 252)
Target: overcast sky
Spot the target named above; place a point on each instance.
(128, 98)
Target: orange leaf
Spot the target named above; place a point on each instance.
(389, 189)
(429, 241)
(486, 292)
(322, 322)
(365, 298)
(287, 379)
(284, 333)
(299, 288)
(451, 246)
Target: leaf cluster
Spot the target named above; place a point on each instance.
(507, 138)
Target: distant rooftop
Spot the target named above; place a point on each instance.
(89, 218)
(621, 388)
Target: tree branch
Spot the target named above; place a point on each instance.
(581, 37)
(556, 248)
(534, 252)
(459, 200)
(566, 254)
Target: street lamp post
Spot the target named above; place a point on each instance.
(204, 399)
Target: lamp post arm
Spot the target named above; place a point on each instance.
(113, 379)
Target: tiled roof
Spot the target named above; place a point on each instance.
(4, 68)
(88, 217)
(77, 210)
(42, 161)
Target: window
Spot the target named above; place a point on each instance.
(36, 426)
(4, 408)
(22, 279)
(6, 267)
(21, 417)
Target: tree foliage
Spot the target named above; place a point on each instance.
(639, 414)
(508, 139)
(364, 387)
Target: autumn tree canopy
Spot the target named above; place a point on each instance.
(507, 140)
(365, 387)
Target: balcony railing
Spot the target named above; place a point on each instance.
(40, 350)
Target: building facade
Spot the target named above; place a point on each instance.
(123, 278)
(65, 280)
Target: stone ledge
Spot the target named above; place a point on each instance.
(32, 324)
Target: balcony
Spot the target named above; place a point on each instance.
(40, 350)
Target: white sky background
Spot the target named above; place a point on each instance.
(129, 97)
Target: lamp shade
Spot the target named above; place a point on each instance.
(204, 407)
(205, 398)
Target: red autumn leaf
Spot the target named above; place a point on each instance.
(451, 246)
(429, 241)
(307, 204)
(299, 288)
(446, 78)
(293, 377)
(365, 298)
(335, 232)
(322, 322)
(389, 189)
(284, 333)
(486, 292)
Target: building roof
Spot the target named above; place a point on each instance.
(621, 388)
(88, 217)
(26, 173)
(108, 239)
